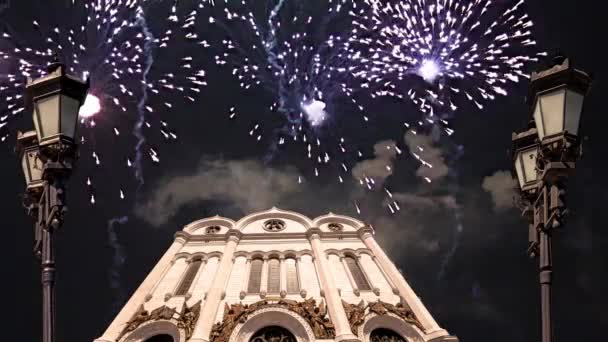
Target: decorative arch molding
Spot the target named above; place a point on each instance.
(290, 254)
(331, 217)
(150, 329)
(257, 254)
(361, 251)
(198, 255)
(273, 316)
(333, 251)
(241, 254)
(274, 213)
(181, 255)
(409, 332)
(214, 254)
(192, 256)
(191, 228)
(356, 253)
(275, 254)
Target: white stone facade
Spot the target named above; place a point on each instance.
(320, 249)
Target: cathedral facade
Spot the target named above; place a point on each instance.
(275, 276)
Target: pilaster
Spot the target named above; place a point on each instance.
(139, 297)
(206, 320)
(328, 286)
(405, 291)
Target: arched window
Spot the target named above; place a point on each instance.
(357, 273)
(255, 276)
(292, 275)
(385, 335)
(160, 338)
(274, 275)
(188, 278)
(273, 334)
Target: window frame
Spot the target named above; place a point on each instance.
(189, 275)
(249, 282)
(357, 264)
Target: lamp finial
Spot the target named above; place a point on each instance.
(55, 64)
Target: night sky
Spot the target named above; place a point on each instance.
(477, 281)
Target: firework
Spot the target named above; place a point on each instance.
(111, 43)
(437, 53)
(295, 52)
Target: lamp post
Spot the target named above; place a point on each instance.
(544, 157)
(47, 156)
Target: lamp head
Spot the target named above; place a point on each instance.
(56, 99)
(525, 151)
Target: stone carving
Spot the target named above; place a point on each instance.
(315, 315)
(356, 314)
(186, 320)
(274, 225)
(382, 308)
(213, 229)
(335, 227)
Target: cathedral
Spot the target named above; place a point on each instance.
(275, 276)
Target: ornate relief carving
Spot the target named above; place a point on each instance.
(274, 225)
(186, 320)
(335, 227)
(356, 313)
(213, 229)
(313, 314)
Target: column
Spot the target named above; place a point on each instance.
(353, 284)
(214, 296)
(388, 280)
(405, 291)
(299, 274)
(245, 286)
(332, 297)
(264, 278)
(283, 276)
(138, 298)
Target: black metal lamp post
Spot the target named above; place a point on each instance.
(544, 157)
(47, 155)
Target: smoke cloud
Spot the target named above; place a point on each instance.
(501, 186)
(379, 168)
(247, 185)
(433, 165)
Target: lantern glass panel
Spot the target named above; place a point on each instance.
(69, 116)
(32, 166)
(35, 166)
(538, 120)
(47, 117)
(525, 166)
(26, 168)
(552, 106)
(574, 108)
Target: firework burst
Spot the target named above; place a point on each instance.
(111, 43)
(439, 52)
(295, 52)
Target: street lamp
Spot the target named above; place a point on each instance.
(543, 158)
(46, 156)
